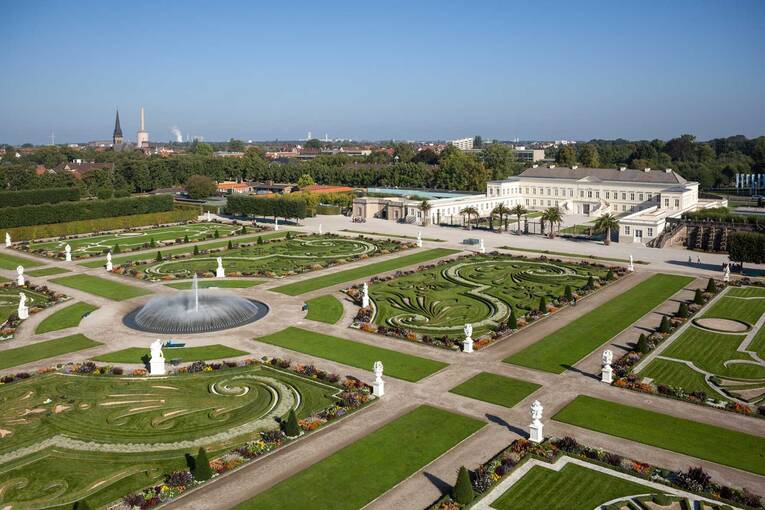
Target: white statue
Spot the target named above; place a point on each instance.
(631, 267)
(7, 240)
(109, 265)
(607, 373)
(20, 279)
(467, 344)
(23, 311)
(68, 253)
(726, 273)
(219, 271)
(320, 230)
(365, 295)
(481, 246)
(419, 239)
(536, 433)
(378, 387)
(157, 360)
(208, 216)
(276, 224)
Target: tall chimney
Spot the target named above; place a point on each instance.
(142, 118)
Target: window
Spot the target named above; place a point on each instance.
(624, 195)
(571, 192)
(589, 193)
(527, 201)
(626, 230)
(597, 194)
(632, 197)
(549, 203)
(581, 193)
(650, 231)
(624, 208)
(640, 197)
(534, 191)
(556, 203)
(666, 202)
(677, 202)
(608, 194)
(535, 201)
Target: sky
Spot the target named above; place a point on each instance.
(417, 70)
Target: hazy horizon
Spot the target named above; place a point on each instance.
(429, 71)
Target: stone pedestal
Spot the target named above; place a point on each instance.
(157, 366)
(378, 388)
(20, 280)
(220, 273)
(68, 257)
(536, 432)
(467, 345)
(364, 301)
(321, 231)
(607, 374)
(109, 266)
(23, 312)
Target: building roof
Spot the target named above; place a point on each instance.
(605, 174)
(80, 169)
(233, 185)
(323, 188)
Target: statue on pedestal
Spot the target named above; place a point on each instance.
(109, 266)
(219, 271)
(606, 374)
(467, 344)
(7, 240)
(68, 253)
(378, 387)
(320, 230)
(365, 296)
(726, 273)
(481, 246)
(157, 360)
(20, 278)
(536, 433)
(23, 311)
(276, 224)
(419, 239)
(631, 267)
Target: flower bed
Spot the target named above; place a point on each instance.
(486, 476)
(8, 328)
(364, 317)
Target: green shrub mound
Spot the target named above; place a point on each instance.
(38, 196)
(202, 470)
(291, 426)
(462, 492)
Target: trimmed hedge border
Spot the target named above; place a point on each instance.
(38, 196)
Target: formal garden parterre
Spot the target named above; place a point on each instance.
(38, 297)
(238, 411)
(496, 294)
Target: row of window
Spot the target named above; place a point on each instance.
(638, 232)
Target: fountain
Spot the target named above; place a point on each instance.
(195, 311)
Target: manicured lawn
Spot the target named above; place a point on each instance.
(325, 309)
(715, 444)
(222, 284)
(399, 365)
(572, 488)
(11, 262)
(362, 471)
(391, 235)
(47, 271)
(185, 249)
(9, 301)
(68, 317)
(184, 354)
(496, 389)
(43, 350)
(746, 292)
(320, 282)
(565, 347)
(678, 375)
(747, 310)
(572, 255)
(101, 287)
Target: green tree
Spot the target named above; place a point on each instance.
(202, 470)
(425, 209)
(609, 275)
(260, 240)
(216, 234)
(462, 492)
(186, 238)
(553, 216)
(470, 212)
(499, 159)
(235, 145)
(682, 310)
(519, 211)
(542, 305)
(711, 286)
(403, 152)
(230, 245)
(291, 426)
(305, 180)
(313, 143)
(477, 142)
(502, 212)
(606, 224)
(746, 247)
(81, 505)
(201, 149)
(512, 321)
(698, 297)
(196, 249)
(200, 186)
(158, 258)
(568, 294)
(566, 156)
(665, 326)
(589, 156)
(152, 243)
(642, 344)
(117, 248)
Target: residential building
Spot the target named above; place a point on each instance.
(324, 188)
(528, 155)
(464, 144)
(230, 187)
(78, 168)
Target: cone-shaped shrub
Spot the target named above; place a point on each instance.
(711, 285)
(196, 250)
(202, 469)
(568, 294)
(216, 234)
(81, 505)
(289, 235)
(642, 344)
(698, 297)
(512, 322)
(158, 258)
(186, 238)
(665, 326)
(590, 283)
(117, 248)
(462, 492)
(260, 240)
(244, 229)
(609, 275)
(230, 245)
(682, 310)
(542, 305)
(291, 427)
(152, 243)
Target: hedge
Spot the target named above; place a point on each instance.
(179, 214)
(746, 247)
(38, 196)
(277, 207)
(723, 214)
(84, 210)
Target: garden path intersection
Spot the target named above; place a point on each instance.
(503, 424)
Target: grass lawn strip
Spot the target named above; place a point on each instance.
(678, 375)
(399, 365)
(326, 309)
(715, 444)
(101, 287)
(391, 235)
(47, 271)
(42, 350)
(68, 317)
(366, 469)
(184, 354)
(11, 262)
(565, 347)
(572, 255)
(574, 487)
(747, 310)
(223, 284)
(495, 389)
(320, 282)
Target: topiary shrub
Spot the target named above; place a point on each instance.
(682, 311)
(512, 321)
(81, 505)
(186, 238)
(152, 243)
(542, 305)
(230, 245)
(291, 426)
(196, 250)
(698, 297)
(158, 258)
(609, 275)
(117, 248)
(216, 234)
(642, 344)
(462, 492)
(202, 470)
(568, 294)
(260, 239)
(661, 499)
(711, 286)
(665, 326)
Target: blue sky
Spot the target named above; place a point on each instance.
(381, 70)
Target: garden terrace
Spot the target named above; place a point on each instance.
(101, 287)
(11, 262)
(478, 290)
(495, 389)
(276, 258)
(41, 350)
(183, 354)
(9, 300)
(82, 432)
(327, 309)
(64, 318)
(131, 239)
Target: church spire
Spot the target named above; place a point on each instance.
(117, 137)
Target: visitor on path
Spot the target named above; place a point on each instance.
(690, 260)
(698, 260)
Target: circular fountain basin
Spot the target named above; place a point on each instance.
(188, 313)
(723, 325)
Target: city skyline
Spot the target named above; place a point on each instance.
(425, 72)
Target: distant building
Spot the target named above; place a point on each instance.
(262, 188)
(228, 154)
(464, 144)
(77, 168)
(324, 188)
(529, 155)
(117, 135)
(230, 187)
(142, 137)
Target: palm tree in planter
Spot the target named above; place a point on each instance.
(470, 212)
(519, 211)
(501, 211)
(425, 208)
(607, 223)
(553, 216)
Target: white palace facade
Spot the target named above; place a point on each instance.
(642, 199)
